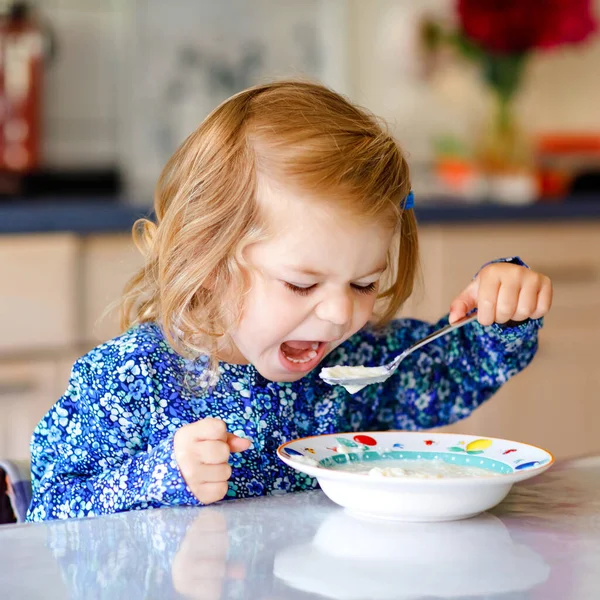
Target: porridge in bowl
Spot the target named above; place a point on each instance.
(415, 469)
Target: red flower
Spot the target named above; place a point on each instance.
(516, 26)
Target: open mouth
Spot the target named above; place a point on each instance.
(301, 355)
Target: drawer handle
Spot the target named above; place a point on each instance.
(571, 273)
(16, 387)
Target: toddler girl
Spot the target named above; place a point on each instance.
(284, 241)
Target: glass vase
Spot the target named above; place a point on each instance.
(504, 145)
(505, 155)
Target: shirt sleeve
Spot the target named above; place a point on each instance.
(443, 382)
(90, 455)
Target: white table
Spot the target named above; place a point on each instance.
(542, 543)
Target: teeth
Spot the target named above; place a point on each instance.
(309, 356)
(298, 360)
(312, 354)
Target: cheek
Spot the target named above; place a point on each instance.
(268, 309)
(363, 310)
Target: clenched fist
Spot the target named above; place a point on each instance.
(202, 452)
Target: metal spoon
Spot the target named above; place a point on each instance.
(356, 378)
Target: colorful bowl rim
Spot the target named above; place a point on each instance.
(525, 474)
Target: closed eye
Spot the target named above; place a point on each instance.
(304, 291)
(365, 289)
(301, 291)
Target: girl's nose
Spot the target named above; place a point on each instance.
(336, 308)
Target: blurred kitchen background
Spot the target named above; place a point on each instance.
(497, 110)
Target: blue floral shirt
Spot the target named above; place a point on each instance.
(107, 445)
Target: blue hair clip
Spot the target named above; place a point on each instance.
(409, 201)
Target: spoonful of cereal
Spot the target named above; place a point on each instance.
(356, 378)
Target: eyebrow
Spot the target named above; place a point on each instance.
(313, 273)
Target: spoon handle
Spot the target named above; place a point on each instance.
(439, 333)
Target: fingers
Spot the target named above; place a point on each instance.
(465, 302)
(213, 473)
(487, 297)
(208, 429)
(209, 483)
(505, 292)
(212, 452)
(214, 431)
(237, 444)
(527, 299)
(506, 302)
(544, 299)
(202, 450)
(207, 493)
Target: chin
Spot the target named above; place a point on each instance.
(282, 377)
(279, 375)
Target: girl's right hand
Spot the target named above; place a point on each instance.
(202, 452)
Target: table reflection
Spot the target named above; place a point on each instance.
(201, 566)
(542, 542)
(351, 558)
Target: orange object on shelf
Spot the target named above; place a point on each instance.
(454, 173)
(569, 143)
(561, 157)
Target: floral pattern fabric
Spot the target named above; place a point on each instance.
(107, 444)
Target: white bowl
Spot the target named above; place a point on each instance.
(409, 499)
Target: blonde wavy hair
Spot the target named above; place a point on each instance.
(299, 133)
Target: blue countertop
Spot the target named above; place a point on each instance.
(100, 215)
(82, 216)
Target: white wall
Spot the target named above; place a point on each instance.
(85, 113)
(82, 116)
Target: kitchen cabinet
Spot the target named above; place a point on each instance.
(55, 289)
(27, 390)
(108, 261)
(555, 402)
(38, 279)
